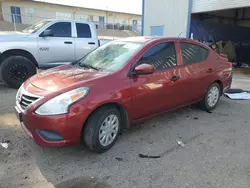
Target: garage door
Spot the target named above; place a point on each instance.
(213, 5)
(166, 17)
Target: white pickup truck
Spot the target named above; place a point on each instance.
(46, 44)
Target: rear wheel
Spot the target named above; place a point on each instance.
(14, 70)
(211, 98)
(102, 129)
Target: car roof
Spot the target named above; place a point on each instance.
(148, 39)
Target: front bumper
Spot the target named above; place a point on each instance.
(67, 127)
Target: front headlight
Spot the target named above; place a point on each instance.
(61, 103)
(18, 94)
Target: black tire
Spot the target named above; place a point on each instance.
(14, 70)
(205, 103)
(92, 127)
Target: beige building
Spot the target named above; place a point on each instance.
(30, 12)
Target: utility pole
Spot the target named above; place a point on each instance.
(74, 13)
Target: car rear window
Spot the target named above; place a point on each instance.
(83, 30)
(192, 53)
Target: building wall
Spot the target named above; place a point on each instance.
(172, 15)
(244, 23)
(246, 15)
(213, 5)
(1, 15)
(33, 12)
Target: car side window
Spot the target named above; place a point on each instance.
(192, 53)
(83, 30)
(161, 56)
(61, 29)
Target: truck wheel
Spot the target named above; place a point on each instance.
(102, 129)
(14, 70)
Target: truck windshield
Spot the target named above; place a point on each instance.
(34, 28)
(110, 57)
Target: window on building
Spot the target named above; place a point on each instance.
(84, 17)
(83, 30)
(95, 18)
(101, 22)
(63, 15)
(16, 15)
(157, 30)
(91, 19)
(135, 25)
(161, 56)
(29, 13)
(62, 29)
(192, 53)
(110, 14)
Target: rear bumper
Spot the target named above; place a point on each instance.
(227, 82)
(226, 89)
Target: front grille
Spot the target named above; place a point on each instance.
(24, 98)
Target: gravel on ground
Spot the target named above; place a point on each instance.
(213, 151)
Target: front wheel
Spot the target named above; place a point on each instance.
(102, 129)
(14, 70)
(211, 97)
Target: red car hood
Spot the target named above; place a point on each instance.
(64, 76)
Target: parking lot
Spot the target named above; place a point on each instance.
(216, 152)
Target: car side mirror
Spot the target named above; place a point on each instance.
(144, 69)
(47, 33)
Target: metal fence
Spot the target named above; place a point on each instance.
(17, 22)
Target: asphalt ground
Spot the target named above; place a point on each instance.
(216, 152)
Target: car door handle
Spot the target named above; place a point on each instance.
(68, 42)
(175, 78)
(91, 43)
(209, 70)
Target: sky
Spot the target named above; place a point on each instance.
(128, 6)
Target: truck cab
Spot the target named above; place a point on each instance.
(46, 44)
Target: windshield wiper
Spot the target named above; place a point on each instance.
(88, 66)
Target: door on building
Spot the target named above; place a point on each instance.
(135, 25)
(59, 48)
(157, 30)
(101, 22)
(16, 15)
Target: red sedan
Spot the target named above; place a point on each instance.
(116, 85)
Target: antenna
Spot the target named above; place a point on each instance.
(180, 34)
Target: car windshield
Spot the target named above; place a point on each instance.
(110, 57)
(34, 28)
